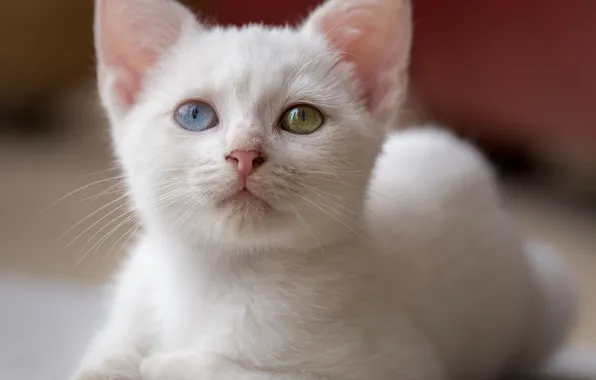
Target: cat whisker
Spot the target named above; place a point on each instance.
(323, 199)
(258, 211)
(130, 232)
(100, 242)
(109, 191)
(94, 224)
(115, 219)
(333, 174)
(169, 182)
(306, 226)
(169, 199)
(327, 212)
(103, 218)
(345, 204)
(343, 183)
(79, 190)
(90, 215)
(342, 201)
(112, 168)
(187, 211)
(107, 225)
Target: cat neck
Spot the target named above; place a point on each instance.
(230, 264)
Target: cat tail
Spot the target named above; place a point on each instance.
(554, 311)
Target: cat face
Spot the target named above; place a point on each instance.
(252, 137)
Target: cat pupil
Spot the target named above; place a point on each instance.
(303, 115)
(195, 112)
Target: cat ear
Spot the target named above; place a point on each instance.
(375, 37)
(130, 37)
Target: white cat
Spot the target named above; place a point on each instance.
(276, 245)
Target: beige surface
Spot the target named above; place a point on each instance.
(33, 177)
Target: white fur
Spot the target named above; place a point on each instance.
(415, 273)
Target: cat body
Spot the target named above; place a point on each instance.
(329, 253)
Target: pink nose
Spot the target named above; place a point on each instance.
(246, 161)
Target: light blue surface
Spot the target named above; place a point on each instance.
(45, 326)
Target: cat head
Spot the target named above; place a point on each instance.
(251, 137)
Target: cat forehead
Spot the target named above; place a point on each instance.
(253, 69)
(256, 40)
(226, 56)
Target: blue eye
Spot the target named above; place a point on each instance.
(196, 116)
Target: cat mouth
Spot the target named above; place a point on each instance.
(245, 197)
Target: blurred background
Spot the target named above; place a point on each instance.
(517, 78)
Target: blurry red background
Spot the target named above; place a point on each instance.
(516, 71)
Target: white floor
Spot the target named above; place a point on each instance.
(44, 326)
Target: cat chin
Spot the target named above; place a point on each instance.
(244, 204)
(243, 230)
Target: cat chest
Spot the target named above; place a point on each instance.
(256, 327)
(234, 323)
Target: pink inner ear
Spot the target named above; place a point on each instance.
(130, 36)
(129, 77)
(374, 36)
(127, 83)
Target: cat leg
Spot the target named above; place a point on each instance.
(111, 356)
(195, 366)
(117, 350)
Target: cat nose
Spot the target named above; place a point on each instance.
(246, 161)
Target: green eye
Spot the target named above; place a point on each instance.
(301, 120)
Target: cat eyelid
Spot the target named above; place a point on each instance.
(300, 103)
(210, 103)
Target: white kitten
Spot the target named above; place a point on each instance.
(269, 252)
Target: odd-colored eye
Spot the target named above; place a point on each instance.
(196, 116)
(302, 120)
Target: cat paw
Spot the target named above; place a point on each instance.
(111, 369)
(185, 366)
